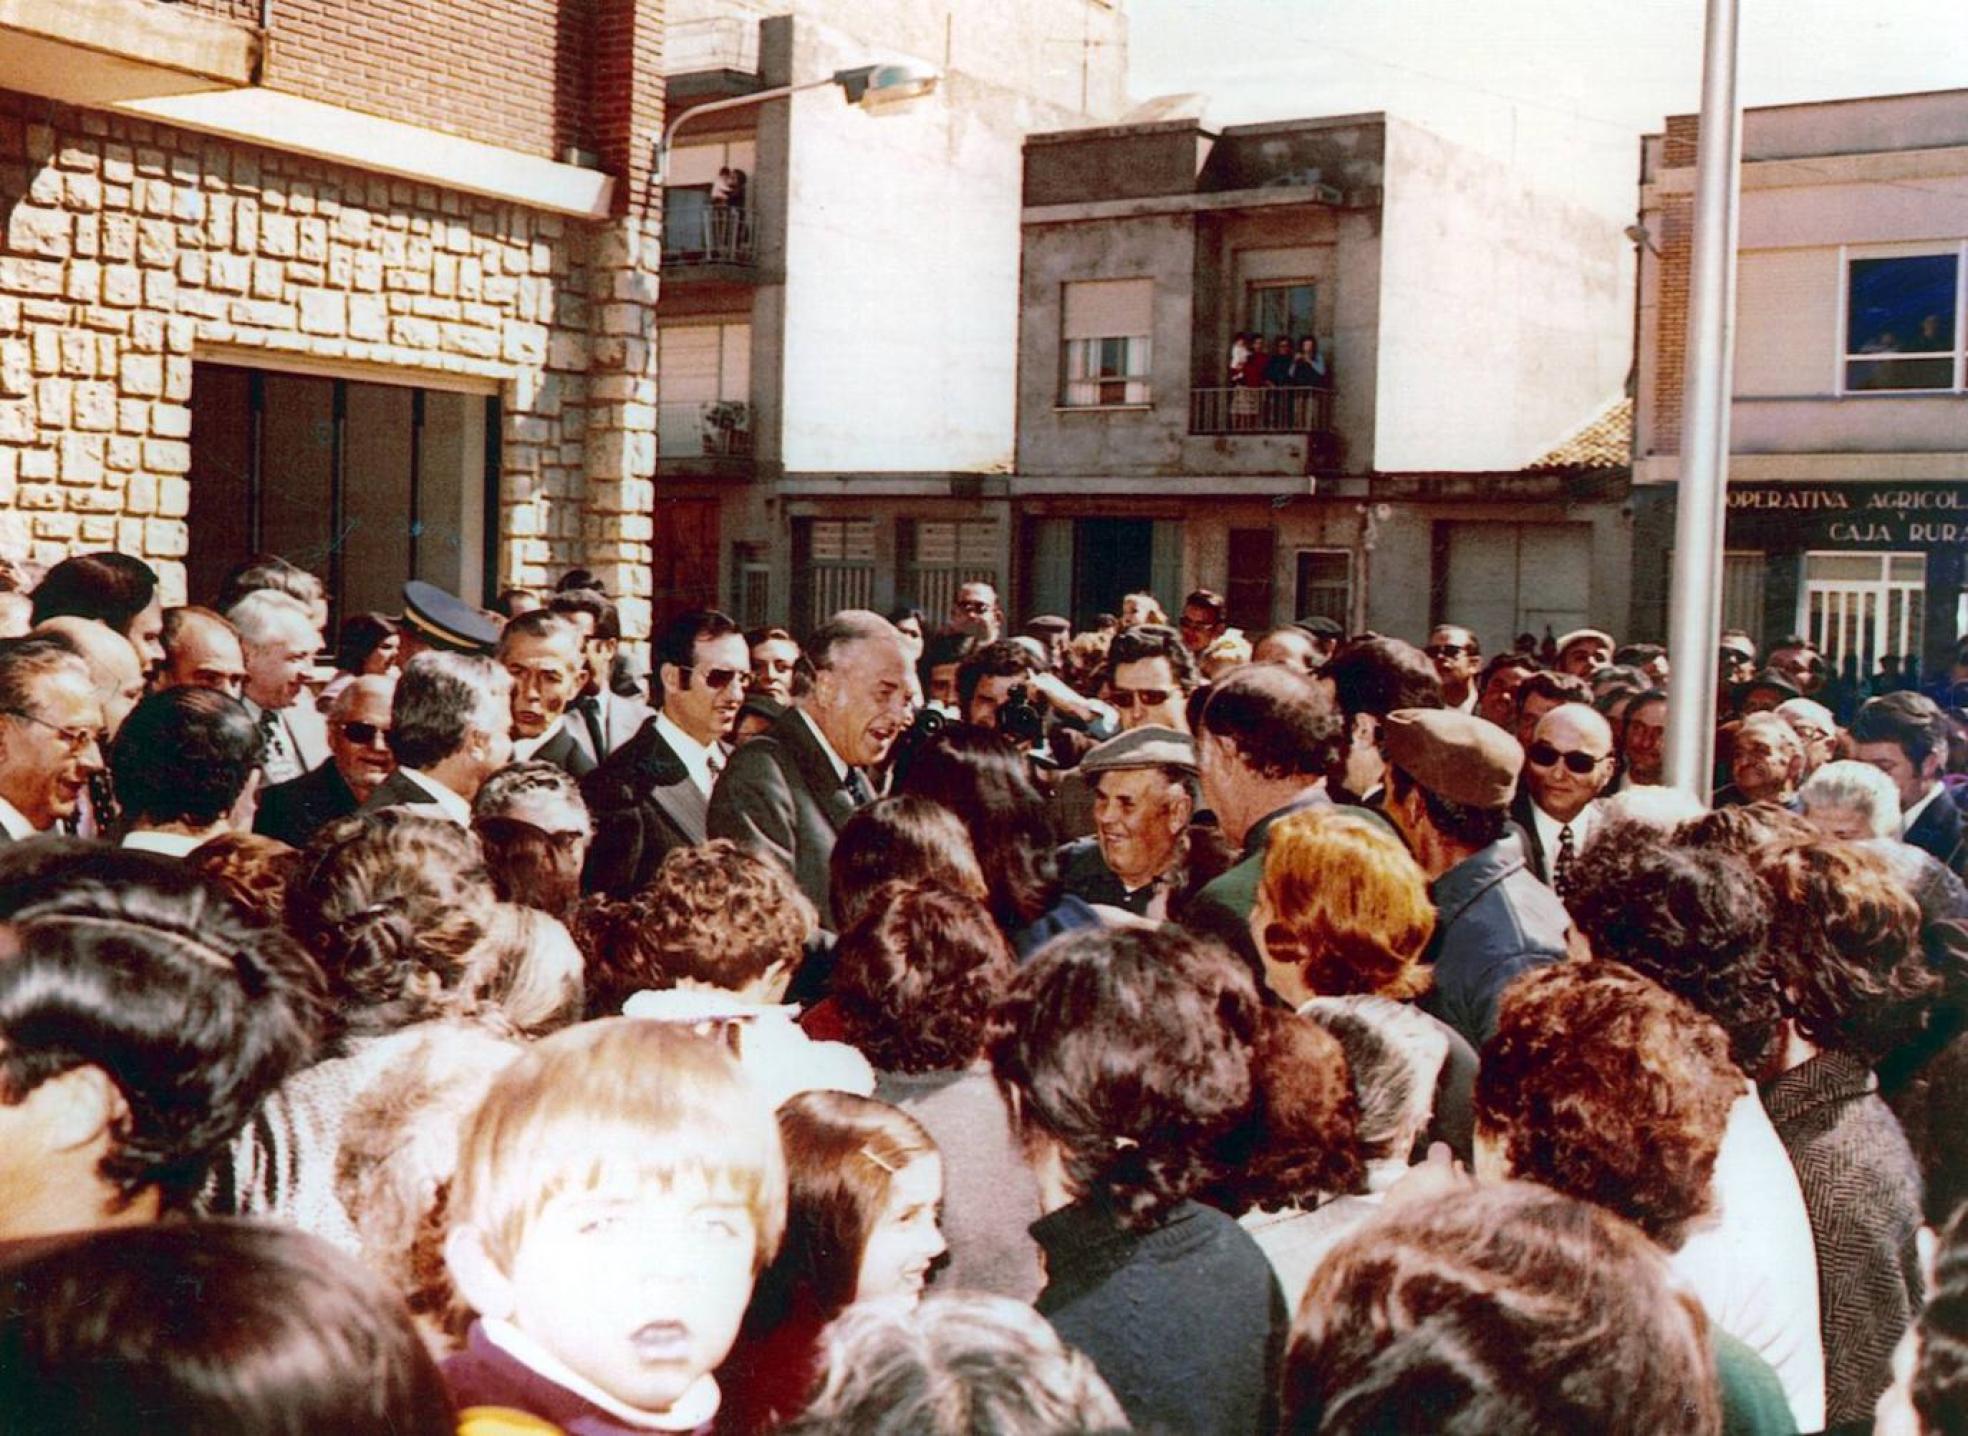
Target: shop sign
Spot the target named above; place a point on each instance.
(1886, 516)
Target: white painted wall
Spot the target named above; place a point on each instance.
(1503, 325)
(1787, 322)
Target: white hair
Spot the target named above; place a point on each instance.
(1809, 710)
(1661, 809)
(1854, 788)
(261, 614)
(1395, 1052)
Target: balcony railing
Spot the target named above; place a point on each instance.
(1241, 410)
(719, 429)
(719, 234)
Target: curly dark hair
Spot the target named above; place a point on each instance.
(1301, 1142)
(1608, 1087)
(1694, 920)
(712, 913)
(1846, 940)
(1747, 830)
(899, 838)
(987, 783)
(1131, 1049)
(916, 976)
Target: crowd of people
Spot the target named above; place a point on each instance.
(912, 1026)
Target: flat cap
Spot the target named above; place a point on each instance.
(443, 620)
(1318, 625)
(1454, 755)
(1148, 746)
(1582, 635)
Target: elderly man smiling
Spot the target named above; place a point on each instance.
(1144, 785)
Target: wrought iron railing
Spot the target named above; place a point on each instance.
(1241, 410)
(719, 234)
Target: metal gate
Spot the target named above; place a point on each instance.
(1862, 606)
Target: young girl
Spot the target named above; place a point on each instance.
(865, 1183)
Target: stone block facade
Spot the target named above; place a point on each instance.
(128, 248)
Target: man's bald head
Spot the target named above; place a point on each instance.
(114, 665)
(1569, 760)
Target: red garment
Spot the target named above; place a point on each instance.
(822, 1022)
(767, 1377)
(1254, 367)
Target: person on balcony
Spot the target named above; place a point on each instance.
(1308, 367)
(1246, 404)
(1278, 375)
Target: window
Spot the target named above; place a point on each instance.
(1285, 309)
(1902, 323)
(833, 568)
(365, 485)
(1860, 607)
(707, 386)
(1106, 343)
(707, 205)
(751, 583)
(1325, 585)
(939, 557)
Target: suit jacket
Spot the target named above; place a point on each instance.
(644, 804)
(1938, 831)
(1527, 832)
(306, 730)
(1222, 909)
(779, 797)
(296, 810)
(621, 719)
(396, 791)
(565, 751)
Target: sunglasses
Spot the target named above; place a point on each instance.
(1448, 650)
(1146, 697)
(1543, 755)
(719, 679)
(363, 734)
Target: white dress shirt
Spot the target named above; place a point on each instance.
(172, 845)
(18, 828)
(1549, 829)
(703, 764)
(449, 803)
(840, 763)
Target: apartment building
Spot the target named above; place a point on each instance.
(1848, 469)
(368, 284)
(1473, 339)
(838, 322)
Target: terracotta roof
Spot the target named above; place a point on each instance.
(1605, 443)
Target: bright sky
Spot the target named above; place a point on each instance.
(1561, 88)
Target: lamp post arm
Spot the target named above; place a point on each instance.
(734, 102)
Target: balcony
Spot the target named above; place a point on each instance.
(104, 52)
(1242, 410)
(714, 236)
(713, 437)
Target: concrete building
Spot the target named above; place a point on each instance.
(1848, 475)
(367, 284)
(1470, 326)
(838, 340)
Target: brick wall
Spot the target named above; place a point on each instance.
(1676, 241)
(514, 73)
(125, 246)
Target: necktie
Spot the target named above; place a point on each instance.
(714, 763)
(590, 711)
(857, 787)
(1561, 871)
(275, 761)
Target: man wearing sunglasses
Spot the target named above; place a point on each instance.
(1566, 768)
(1457, 657)
(1150, 674)
(654, 792)
(359, 759)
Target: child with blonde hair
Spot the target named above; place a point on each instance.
(617, 1194)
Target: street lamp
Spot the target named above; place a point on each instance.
(872, 87)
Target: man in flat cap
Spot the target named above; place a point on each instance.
(1144, 793)
(1584, 651)
(1450, 777)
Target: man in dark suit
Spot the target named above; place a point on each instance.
(1556, 807)
(359, 761)
(786, 793)
(542, 653)
(653, 794)
(450, 729)
(1905, 736)
(602, 719)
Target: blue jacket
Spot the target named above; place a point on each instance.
(1495, 920)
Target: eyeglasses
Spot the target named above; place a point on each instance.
(1146, 697)
(1448, 650)
(719, 679)
(1543, 755)
(76, 740)
(363, 735)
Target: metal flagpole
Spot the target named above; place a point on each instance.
(1695, 615)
